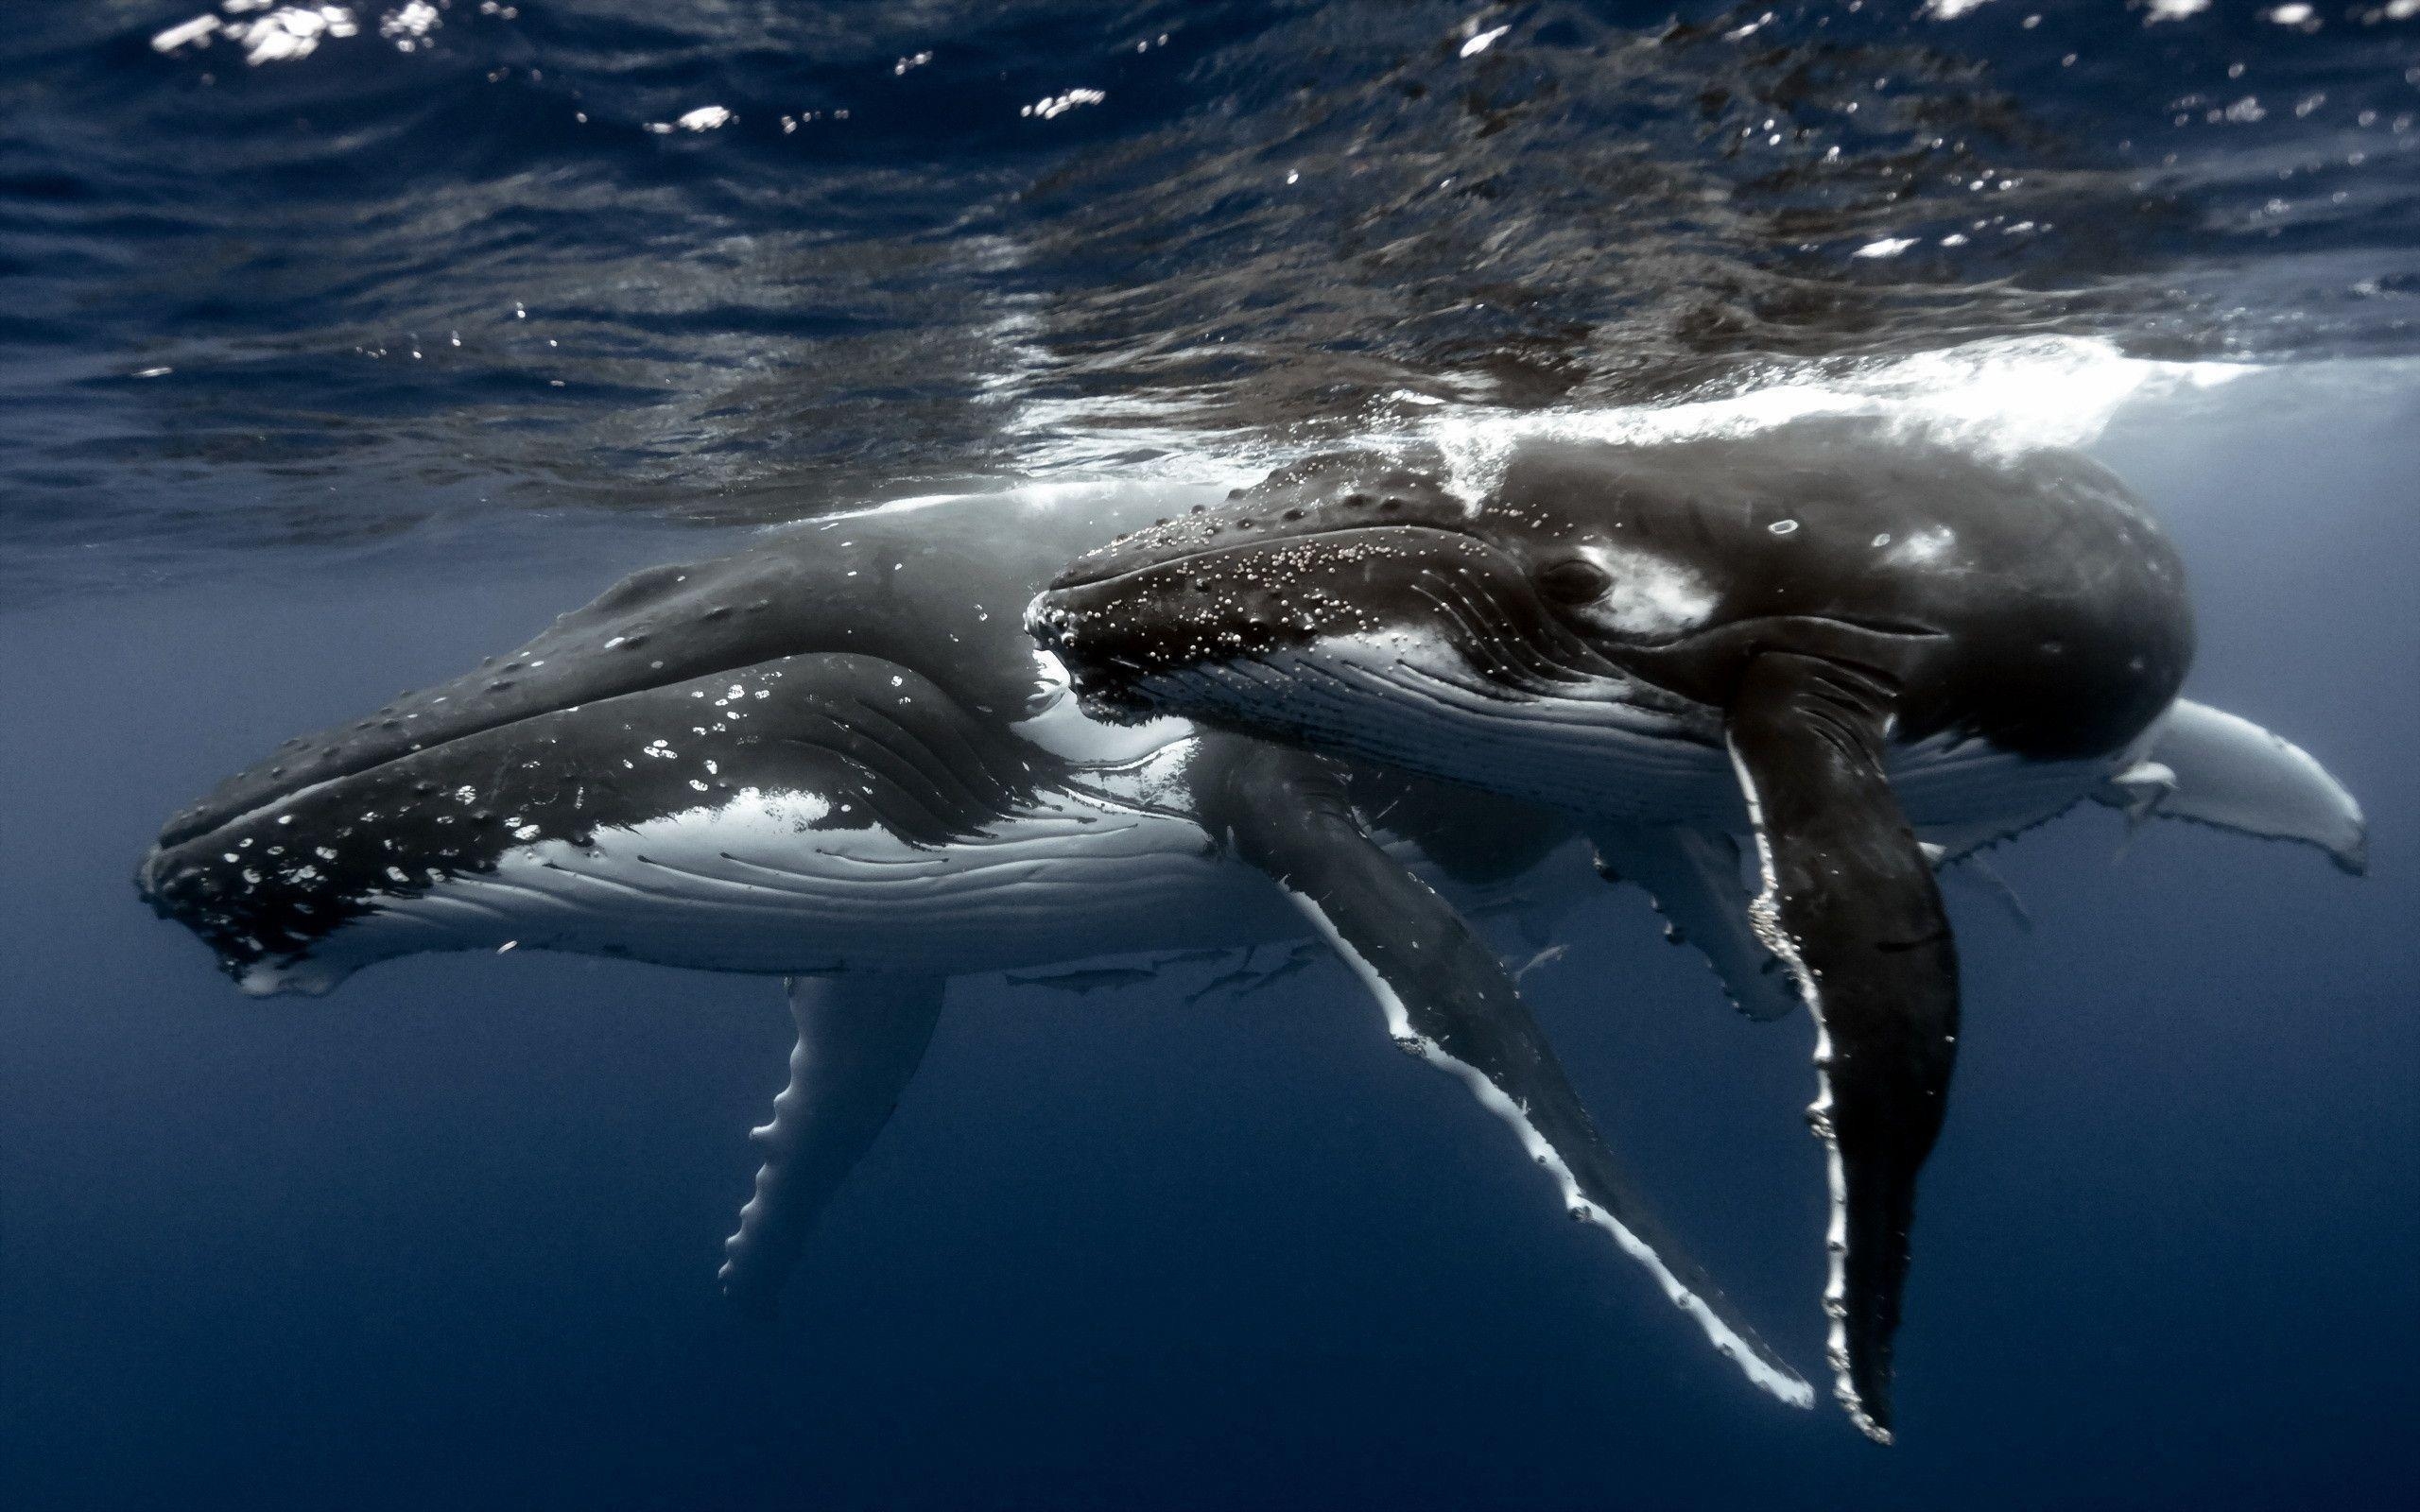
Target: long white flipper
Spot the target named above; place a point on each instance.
(2205, 764)
(1448, 999)
(860, 1037)
(1850, 903)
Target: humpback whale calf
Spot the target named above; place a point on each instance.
(839, 757)
(1867, 653)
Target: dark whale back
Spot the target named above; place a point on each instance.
(2052, 604)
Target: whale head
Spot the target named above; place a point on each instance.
(747, 690)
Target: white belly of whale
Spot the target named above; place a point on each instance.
(754, 885)
(1597, 755)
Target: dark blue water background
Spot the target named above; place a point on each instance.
(324, 376)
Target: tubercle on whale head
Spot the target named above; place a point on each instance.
(1255, 604)
(1319, 494)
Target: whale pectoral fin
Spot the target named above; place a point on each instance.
(1448, 999)
(1693, 877)
(859, 1039)
(1850, 904)
(2205, 764)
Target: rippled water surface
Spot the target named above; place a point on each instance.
(342, 345)
(286, 273)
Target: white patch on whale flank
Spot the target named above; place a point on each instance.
(1058, 724)
(1925, 548)
(1652, 596)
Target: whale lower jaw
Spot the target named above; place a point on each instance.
(745, 887)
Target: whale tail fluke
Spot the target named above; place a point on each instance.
(2210, 767)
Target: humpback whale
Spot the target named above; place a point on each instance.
(1845, 656)
(839, 757)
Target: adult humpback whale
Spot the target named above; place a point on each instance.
(1871, 653)
(838, 757)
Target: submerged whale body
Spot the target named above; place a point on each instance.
(1347, 712)
(1864, 654)
(839, 757)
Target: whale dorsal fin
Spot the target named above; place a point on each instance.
(1693, 877)
(860, 1037)
(1850, 904)
(2207, 765)
(1449, 1001)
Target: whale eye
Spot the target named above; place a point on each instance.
(1576, 581)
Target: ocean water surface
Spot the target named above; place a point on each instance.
(341, 346)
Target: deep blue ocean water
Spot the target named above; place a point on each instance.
(329, 373)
